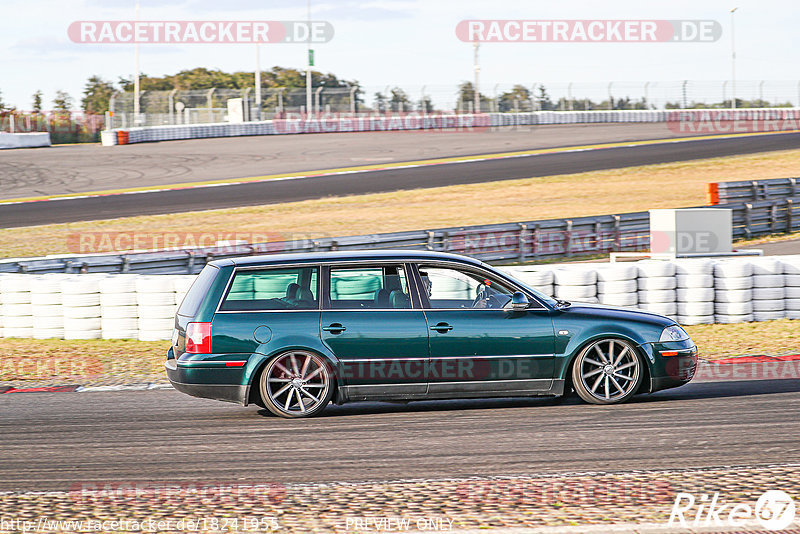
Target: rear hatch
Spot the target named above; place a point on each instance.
(197, 305)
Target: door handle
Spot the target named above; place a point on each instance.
(442, 328)
(335, 328)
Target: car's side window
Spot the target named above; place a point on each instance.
(449, 288)
(273, 289)
(369, 287)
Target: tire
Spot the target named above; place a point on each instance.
(284, 383)
(157, 312)
(697, 294)
(48, 310)
(695, 280)
(155, 284)
(20, 297)
(733, 319)
(793, 314)
(81, 312)
(533, 278)
(617, 286)
(574, 277)
(664, 295)
(155, 299)
(695, 308)
(83, 334)
(618, 299)
(768, 280)
(733, 269)
(657, 283)
(617, 273)
(690, 320)
(117, 299)
(548, 290)
(768, 293)
(768, 315)
(15, 283)
(792, 304)
(618, 369)
(669, 309)
(761, 306)
(764, 266)
(576, 292)
(734, 295)
(791, 280)
(652, 268)
(742, 282)
(120, 312)
(733, 308)
(694, 267)
(120, 283)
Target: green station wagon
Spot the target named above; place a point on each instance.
(294, 332)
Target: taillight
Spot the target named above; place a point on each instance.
(198, 338)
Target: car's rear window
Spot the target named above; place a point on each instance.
(194, 297)
(273, 289)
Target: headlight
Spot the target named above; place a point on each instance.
(673, 333)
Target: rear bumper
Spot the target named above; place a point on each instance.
(206, 383)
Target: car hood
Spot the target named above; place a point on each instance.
(618, 312)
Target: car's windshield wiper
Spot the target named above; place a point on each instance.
(563, 303)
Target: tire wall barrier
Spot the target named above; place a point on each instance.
(337, 122)
(692, 291)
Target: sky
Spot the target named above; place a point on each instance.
(413, 43)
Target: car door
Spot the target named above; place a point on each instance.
(476, 344)
(376, 329)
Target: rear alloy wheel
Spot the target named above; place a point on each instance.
(296, 384)
(607, 371)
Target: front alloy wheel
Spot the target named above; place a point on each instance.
(296, 384)
(607, 371)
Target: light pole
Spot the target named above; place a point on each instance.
(477, 96)
(258, 82)
(136, 74)
(733, 59)
(310, 60)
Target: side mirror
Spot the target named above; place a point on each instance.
(519, 302)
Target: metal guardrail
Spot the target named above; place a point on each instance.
(498, 243)
(752, 190)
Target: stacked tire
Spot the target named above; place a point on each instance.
(155, 298)
(182, 284)
(81, 306)
(768, 290)
(120, 312)
(657, 287)
(733, 292)
(791, 281)
(540, 280)
(47, 308)
(578, 284)
(15, 305)
(617, 285)
(695, 291)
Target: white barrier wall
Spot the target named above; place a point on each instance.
(680, 121)
(24, 140)
(692, 291)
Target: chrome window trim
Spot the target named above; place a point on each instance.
(267, 268)
(404, 262)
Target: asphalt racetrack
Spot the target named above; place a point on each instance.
(52, 440)
(392, 179)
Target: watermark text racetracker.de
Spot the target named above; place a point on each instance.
(589, 31)
(198, 32)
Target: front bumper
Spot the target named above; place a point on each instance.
(218, 383)
(673, 363)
